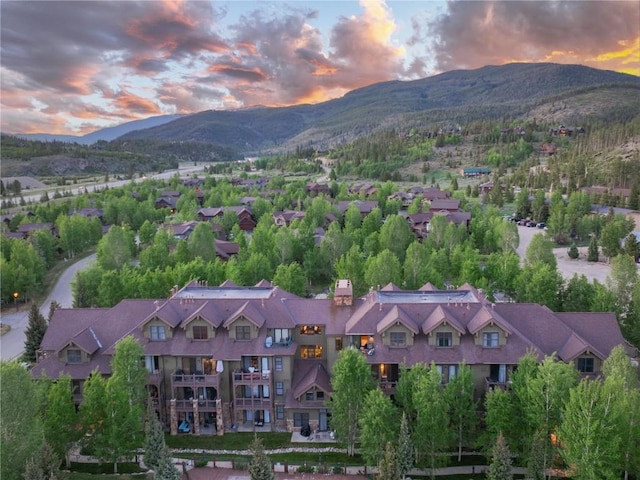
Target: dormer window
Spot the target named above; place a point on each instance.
(243, 332)
(157, 332)
(585, 365)
(74, 355)
(398, 339)
(490, 339)
(200, 332)
(310, 330)
(444, 339)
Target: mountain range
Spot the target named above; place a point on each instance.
(551, 92)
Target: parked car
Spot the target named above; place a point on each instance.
(531, 224)
(541, 225)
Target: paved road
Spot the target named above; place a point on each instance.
(12, 343)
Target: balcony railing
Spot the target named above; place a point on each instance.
(387, 386)
(491, 384)
(194, 379)
(203, 405)
(244, 377)
(154, 378)
(253, 403)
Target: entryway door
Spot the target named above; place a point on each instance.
(322, 421)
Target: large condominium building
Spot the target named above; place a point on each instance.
(227, 356)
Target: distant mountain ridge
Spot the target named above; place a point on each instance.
(490, 92)
(106, 134)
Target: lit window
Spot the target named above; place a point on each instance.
(311, 330)
(243, 332)
(490, 339)
(311, 351)
(278, 364)
(157, 332)
(444, 339)
(200, 332)
(586, 365)
(398, 339)
(74, 355)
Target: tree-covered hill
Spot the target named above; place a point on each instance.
(462, 96)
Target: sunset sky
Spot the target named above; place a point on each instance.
(74, 67)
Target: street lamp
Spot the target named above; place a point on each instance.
(15, 299)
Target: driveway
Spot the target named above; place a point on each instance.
(566, 266)
(12, 343)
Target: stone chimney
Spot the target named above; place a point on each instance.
(343, 293)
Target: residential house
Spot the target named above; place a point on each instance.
(365, 206)
(260, 356)
(284, 218)
(168, 199)
(318, 189)
(26, 229)
(245, 217)
(469, 172)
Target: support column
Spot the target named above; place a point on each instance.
(196, 417)
(219, 417)
(173, 417)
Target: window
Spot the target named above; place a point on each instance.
(279, 412)
(243, 332)
(311, 351)
(279, 388)
(586, 365)
(300, 419)
(74, 355)
(398, 339)
(447, 372)
(444, 339)
(309, 396)
(338, 344)
(311, 330)
(152, 363)
(200, 332)
(157, 332)
(278, 364)
(319, 395)
(490, 339)
(281, 336)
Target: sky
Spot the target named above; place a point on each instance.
(73, 67)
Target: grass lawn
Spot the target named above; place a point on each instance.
(86, 470)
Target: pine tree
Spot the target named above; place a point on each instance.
(500, 468)
(259, 466)
(573, 251)
(404, 453)
(592, 253)
(388, 468)
(34, 333)
(166, 469)
(536, 460)
(154, 445)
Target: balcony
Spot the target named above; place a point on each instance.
(154, 378)
(193, 380)
(388, 387)
(491, 385)
(243, 377)
(270, 343)
(203, 405)
(253, 403)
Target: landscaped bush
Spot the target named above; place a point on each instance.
(240, 464)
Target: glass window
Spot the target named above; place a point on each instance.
(300, 419)
(490, 339)
(309, 396)
(311, 330)
(152, 363)
(200, 332)
(398, 339)
(157, 332)
(319, 395)
(586, 365)
(444, 339)
(243, 332)
(338, 344)
(279, 412)
(278, 364)
(311, 351)
(279, 388)
(74, 355)
(281, 336)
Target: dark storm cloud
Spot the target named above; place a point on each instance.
(471, 34)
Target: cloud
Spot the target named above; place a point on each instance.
(470, 34)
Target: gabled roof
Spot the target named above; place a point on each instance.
(250, 312)
(86, 340)
(486, 316)
(391, 287)
(439, 317)
(207, 312)
(316, 375)
(397, 316)
(427, 287)
(575, 346)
